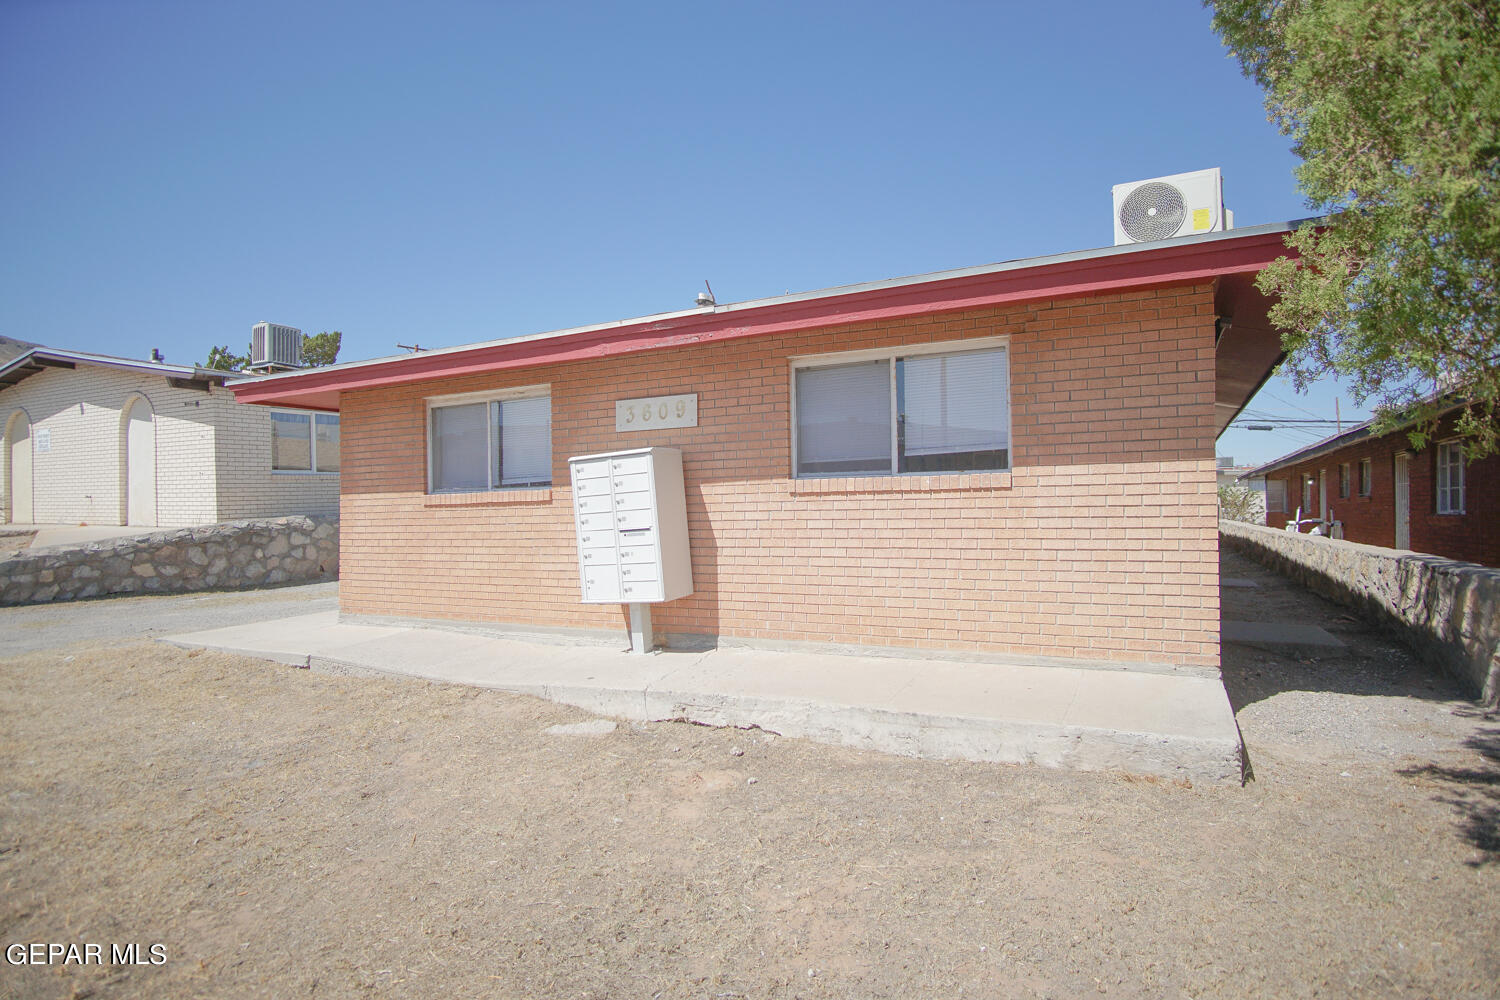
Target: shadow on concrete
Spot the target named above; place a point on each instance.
(1473, 792)
(1373, 662)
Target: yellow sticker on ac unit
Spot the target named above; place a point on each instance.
(1201, 219)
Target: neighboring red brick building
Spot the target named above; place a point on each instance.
(1062, 505)
(1451, 508)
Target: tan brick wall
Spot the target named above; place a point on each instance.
(1101, 544)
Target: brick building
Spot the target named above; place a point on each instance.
(1382, 491)
(90, 439)
(1017, 458)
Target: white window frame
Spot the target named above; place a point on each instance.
(312, 430)
(1443, 485)
(891, 354)
(1366, 477)
(485, 396)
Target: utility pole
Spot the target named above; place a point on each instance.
(1337, 420)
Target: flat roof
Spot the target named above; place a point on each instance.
(39, 359)
(1087, 272)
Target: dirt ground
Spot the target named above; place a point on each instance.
(15, 542)
(288, 834)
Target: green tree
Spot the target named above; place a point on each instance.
(321, 349)
(1394, 108)
(221, 359)
(318, 350)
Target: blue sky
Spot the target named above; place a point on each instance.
(448, 172)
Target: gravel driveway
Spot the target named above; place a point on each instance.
(282, 833)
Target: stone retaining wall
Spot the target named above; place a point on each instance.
(212, 556)
(1448, 611)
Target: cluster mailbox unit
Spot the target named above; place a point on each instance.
(631, 513)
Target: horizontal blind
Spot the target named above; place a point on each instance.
(956, 402)
(328, 442)
(844, 418)
(460, 447)
(525, 441)
(291, 442)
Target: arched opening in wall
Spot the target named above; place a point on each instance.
(138, 435)
(18, 488)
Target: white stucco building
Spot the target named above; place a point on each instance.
(90, 439)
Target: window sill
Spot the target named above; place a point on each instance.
(488, 498)
(938, 483)
(302, 472)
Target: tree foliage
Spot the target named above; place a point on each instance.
(222, 359)
(318, 350)
(1394, 108)
(1240, 503)
(321, 349)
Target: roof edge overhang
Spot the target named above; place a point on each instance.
(1084, 273)
(39, 359)
(1336, 442)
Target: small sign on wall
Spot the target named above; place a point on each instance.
(42, 437)
(656, 411)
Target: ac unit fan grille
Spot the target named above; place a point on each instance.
(1153, 211)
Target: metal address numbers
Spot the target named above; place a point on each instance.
(656, 411)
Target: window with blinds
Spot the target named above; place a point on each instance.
(490, 444)
(906, 413)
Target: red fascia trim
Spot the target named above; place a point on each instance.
(1168, 266)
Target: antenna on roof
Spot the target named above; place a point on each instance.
(706, 298)
(414, 348)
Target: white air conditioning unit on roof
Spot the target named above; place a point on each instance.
(1165, 207)
(275, 346)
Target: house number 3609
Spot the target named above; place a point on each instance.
(656, 412)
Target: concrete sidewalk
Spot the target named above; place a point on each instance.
(1175, 725)
(75, 534)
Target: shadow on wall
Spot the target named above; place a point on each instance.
(1473, 792)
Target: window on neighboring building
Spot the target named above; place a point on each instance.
(304, 442)
(923, 410)
(490, 443)
(1365, 477)
(1344, 481)
(1450, 478)
(1276, 496)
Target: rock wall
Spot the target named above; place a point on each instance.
(231, 555)
(1448, 611)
